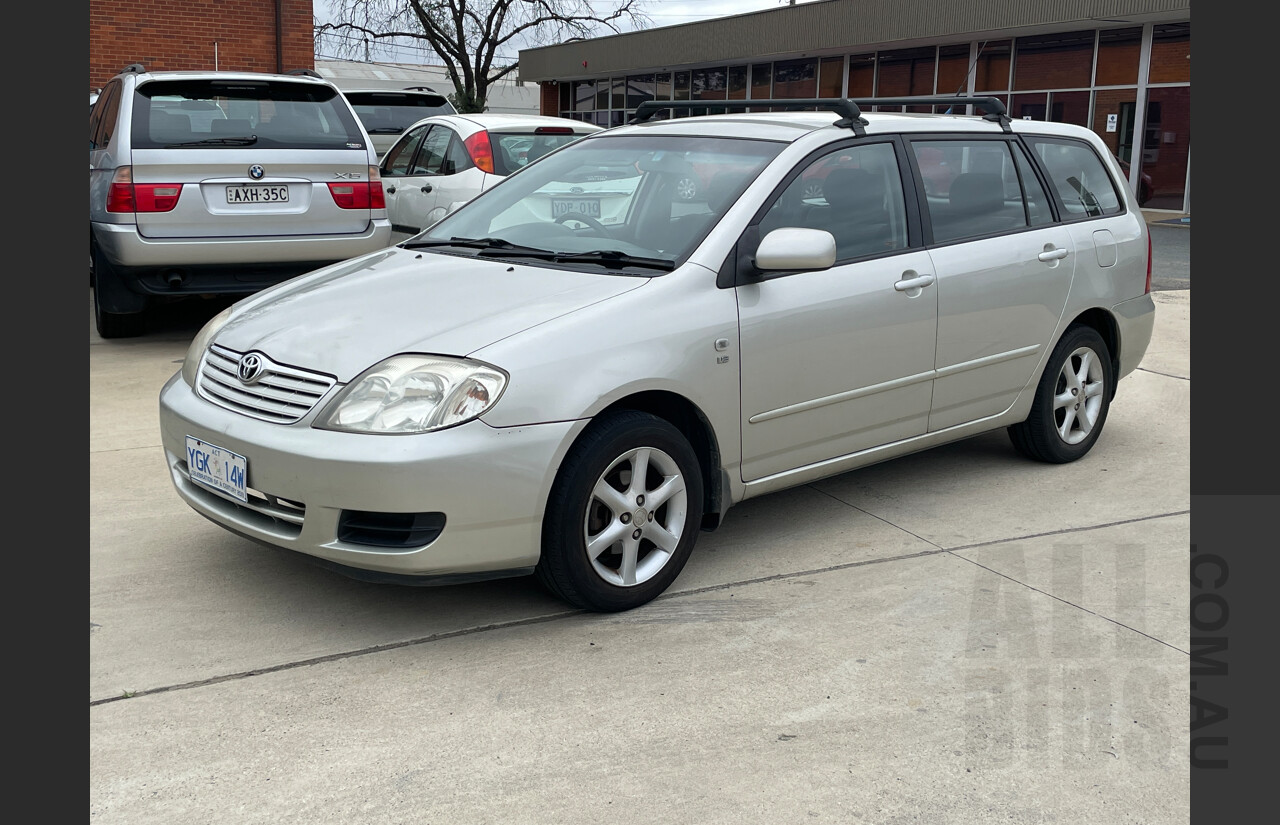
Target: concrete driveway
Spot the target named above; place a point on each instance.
(959, 636)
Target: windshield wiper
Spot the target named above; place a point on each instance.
(227, 141)
(502, 246)
(614, 257)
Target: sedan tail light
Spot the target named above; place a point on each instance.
(481, 151)
(127, 196)
(360, 194)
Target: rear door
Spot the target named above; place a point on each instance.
(1004, 269)
(247, 157)
(397, 165)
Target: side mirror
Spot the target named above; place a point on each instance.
(792, 248)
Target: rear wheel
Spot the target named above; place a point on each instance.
(623, 514)
(110, 324)
(1072, 400)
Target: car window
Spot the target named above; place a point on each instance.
(230, 112)
(431, 157)
(973, 188)
(855, 193)
(1081, 181)
(618, 195)
(103, 123)
(391, 112)
(401, 155)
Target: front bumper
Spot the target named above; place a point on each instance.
(491, 484)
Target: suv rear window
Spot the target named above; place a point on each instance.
(390, 113)
(237, 113)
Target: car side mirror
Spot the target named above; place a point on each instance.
(793, 248)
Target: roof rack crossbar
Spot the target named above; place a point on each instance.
(996, 111)
(851, 115)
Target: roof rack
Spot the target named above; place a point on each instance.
(305, 73)
(134, 68)
(420, 89)
(848, 107)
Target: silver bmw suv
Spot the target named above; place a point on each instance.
(222, 183)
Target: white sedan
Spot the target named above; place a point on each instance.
(444, 161)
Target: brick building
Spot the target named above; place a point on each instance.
(237, 35)
(1120, 67)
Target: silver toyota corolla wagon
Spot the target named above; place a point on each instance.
(527, 388)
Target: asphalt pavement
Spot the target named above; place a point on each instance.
(957, 636)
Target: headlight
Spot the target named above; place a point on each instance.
(191, 364)
(414, 394)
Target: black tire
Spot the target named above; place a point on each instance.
(111, 324)
(1061, 431)
(606, 454)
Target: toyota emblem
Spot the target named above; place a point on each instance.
(250, 369)
(256, 172)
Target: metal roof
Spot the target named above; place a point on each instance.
(833, 27)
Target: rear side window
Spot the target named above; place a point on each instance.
(1079, 177)
(236, 113)
(390, 113)
(102, 121)
(976, 187)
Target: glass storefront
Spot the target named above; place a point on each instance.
(1093, 78)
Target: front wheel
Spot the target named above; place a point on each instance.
(1071, 401)
(623, 514)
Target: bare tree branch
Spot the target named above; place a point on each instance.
(468, 37)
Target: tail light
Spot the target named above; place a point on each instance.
(553, 130)
(481, 151)
(127, 196)
(1148, 289)
(360, 194)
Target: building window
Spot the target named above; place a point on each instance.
(991, 73)
(1118, 53)
(831, 77)
(862, 75)
(1171, 54)
(1054, 61)
(795, 78)
(906, 73)
(737, 83)
(953, 69)
(762, 81)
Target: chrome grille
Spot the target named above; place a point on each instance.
(280, 394)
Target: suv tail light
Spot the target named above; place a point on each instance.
(481, 151)
(1148, 289)
(360, 194)
(127, 196)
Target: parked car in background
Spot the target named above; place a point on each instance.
(222, 183)
(386, 113)
(515, 392)
(444, 161)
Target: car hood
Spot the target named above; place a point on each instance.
(343, 319)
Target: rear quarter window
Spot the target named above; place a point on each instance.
(1077, 174)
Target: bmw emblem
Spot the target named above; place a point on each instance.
(256, 172)
(250, 368)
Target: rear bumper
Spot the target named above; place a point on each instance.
(125, 248)
(1136, 319)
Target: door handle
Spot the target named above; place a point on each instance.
(1052, 255)
(426, 187)
(918, 282)
(391, 190)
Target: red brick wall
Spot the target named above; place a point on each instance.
(167, 36)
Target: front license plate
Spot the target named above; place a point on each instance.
(578, 206)
(257, 194)
(216, 467)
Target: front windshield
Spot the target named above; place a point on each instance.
(639, 203)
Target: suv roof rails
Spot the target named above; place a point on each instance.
(420, 89)
(305, 73)
(134, 68)
(849, 108)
